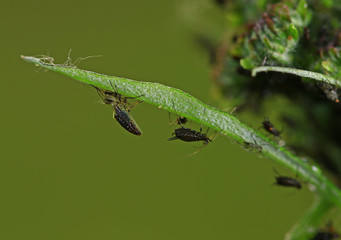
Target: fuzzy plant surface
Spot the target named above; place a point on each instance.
(168, 98)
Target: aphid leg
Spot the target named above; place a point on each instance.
(169, 118)
(114, 87)
(176, 113)
(233, 110)
(134, 105)
(201, 121)
(173, 138)
(99, 92)
(276, 172)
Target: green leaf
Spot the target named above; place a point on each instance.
(293, 32)
(186, 105)
(298, 72)
(247, 63)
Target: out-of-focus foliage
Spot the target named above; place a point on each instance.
(289, 33)
(273, 39)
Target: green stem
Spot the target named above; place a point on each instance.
(298, 72)
(306, 228)
(186, 105)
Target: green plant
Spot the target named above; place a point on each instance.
(186, 105)
(284, 65)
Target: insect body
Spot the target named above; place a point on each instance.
(270, 128)
(125, 120)
(121, 112)
(287, 181)
(326, 234)
(330, 92)
(189, 135)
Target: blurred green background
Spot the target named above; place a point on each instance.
(69, 171)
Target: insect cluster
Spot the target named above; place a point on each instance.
(122, 115)
(327, 233)
(121, 108)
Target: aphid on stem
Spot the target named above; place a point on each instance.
(269, 127)
(121, 112)
(287, 181)
(328, 233)
(189, 135)
(330, 92)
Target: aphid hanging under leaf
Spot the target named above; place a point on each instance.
(330, 92)
(121, 112)
(287, 181)
(126, 120)
(189, 135)
(328, 233)
(268, 126)
(254, 145)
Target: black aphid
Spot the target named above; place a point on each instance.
(268, 126)
(287, 181)
(328, 233)
(121, 111)
(125, 120)
(190, 135)
(330, 92)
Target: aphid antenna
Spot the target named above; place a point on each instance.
(169, 118)
(134, 105)
(120, 98)
(212, 140)
(297, 176)
(115, 90)
(99, 92)
(276, 172)
(199, 149)
(234, 110)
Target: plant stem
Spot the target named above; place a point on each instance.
(186, 105)
(298, 72)
(309, 224)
